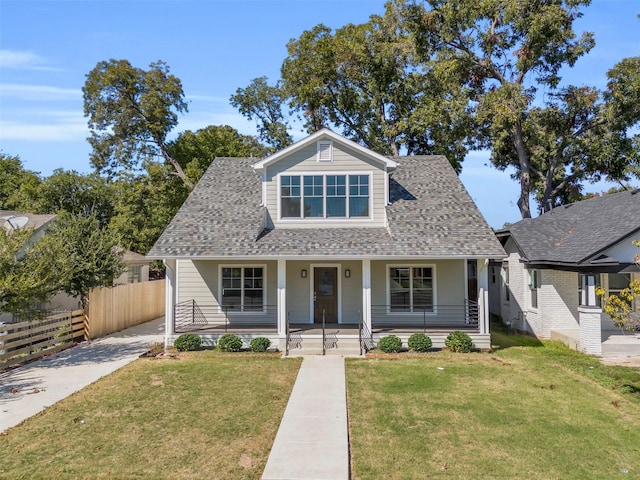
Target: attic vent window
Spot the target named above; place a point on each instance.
(325, 151)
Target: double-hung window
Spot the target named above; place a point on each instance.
(411, 289)
(242, 288)
(587, 285)
(324, 196)
(534, 284)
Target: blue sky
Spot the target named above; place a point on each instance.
(48, 46)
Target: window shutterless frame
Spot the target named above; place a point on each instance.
(322, 197)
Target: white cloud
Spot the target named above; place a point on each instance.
(66, 130)
(23, 60)
(38, 92)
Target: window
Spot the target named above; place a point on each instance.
(507, 292)
(242, 288)
(587, 284)
(411, 289)
(618, 282)
(324, 196)
(290, 196)
(134, 274)
(534, 284)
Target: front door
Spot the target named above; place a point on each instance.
(325, 294)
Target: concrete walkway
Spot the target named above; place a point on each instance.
(27, 390)
(312, 441)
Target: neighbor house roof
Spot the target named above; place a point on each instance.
(430, 214)
(11, 220)
(579, 233)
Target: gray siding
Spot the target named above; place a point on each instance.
(449, 295)
(344, 161)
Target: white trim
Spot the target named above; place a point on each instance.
(242, 266)
(366, 293)
(312, 268)
(273, 258)
(389, 266)
(389, 164)
(281, 299)
(324, 219)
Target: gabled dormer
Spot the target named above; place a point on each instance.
(325, 180)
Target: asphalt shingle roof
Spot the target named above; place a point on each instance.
(579, 232)
(431, 214)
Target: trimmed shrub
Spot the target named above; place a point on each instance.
(188, 342)
(229, 343)
(260, 344)
(420, 342)
(458, 342)
(390, 344)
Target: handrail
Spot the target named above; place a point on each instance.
(287, 335)
(364, 335)
(324, 346)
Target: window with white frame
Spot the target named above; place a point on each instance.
(505, 275)
(411, 289)
(587, 285)
(534, 285)
(325, 196)
(242, 288)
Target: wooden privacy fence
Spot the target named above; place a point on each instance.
(112, 309)
(25, 341)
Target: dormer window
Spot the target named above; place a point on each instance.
(325, 196)
(325, 152)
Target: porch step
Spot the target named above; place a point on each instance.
(300, 346)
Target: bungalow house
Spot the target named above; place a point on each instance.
(546, 285)
(328, 240)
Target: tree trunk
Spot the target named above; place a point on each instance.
(525, 172)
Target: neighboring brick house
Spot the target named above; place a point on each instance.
(546, 285)
(327, 231)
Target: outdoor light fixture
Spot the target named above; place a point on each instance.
(347, 273)
(303, 273)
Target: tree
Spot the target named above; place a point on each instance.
(620, 306)
(366, 81)
(77, 194)
(195, 151)
(131, 112)
(263, 102)
(74, 255)
(507, 51)
(18, 187)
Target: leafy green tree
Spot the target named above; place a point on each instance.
(506, 51)
(131, 112)
(195, 151)
(73, 256)
(18, 187)
(144, 204)
(367, 80)
(263, 103)
(77, 194)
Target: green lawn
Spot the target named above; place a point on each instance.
(539, 411)
(203, 416)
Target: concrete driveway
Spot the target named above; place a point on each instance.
(621, 348)
(26, 391)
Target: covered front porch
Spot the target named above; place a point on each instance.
(332, 302)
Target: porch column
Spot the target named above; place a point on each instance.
(366, 293)
(483, 296)
(590, 330)
(170, 300)
(282, 296)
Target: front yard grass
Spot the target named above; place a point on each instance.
(527, 410)
(205, 415)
